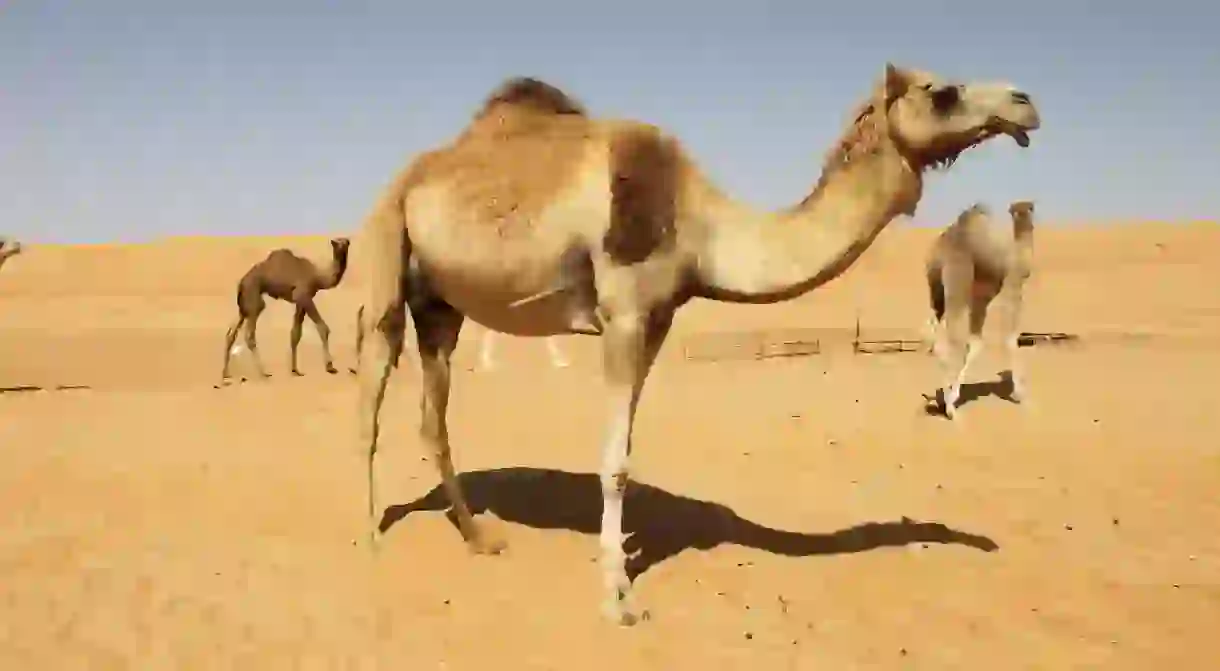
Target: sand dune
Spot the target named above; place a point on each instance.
(796, 512)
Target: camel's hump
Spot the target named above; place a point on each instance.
(532, 94)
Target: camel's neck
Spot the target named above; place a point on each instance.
(334, 274)
(1023, 238)
(762, 257)
(1023, 227)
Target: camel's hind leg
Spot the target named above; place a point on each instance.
(230, 340)
(252, 305)
(252, 343)
(558, 359)
(359, 337)
(384, 342)
(486, 347)
(311, 311)
(437, 327)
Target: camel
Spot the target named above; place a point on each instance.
(971, 265)
(486, 227)
(8, 249)
(285, 276)
(487, 361)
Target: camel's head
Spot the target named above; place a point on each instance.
(1021, 208)
(932, 121)
(9, 247)
(339, 246)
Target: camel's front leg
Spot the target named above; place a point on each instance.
(1011, 329)
(953, 355)
(631, 343)
(437, 327)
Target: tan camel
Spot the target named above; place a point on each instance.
(8, 249)
(287, 277)
(490, 227)
(972, 264)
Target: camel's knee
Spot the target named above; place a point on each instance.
(614, 483)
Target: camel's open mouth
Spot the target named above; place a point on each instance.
(1012, 130)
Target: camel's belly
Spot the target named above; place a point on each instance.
(483, 267)
(491, 303)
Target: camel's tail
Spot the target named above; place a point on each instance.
(387, 250)
(248, 292)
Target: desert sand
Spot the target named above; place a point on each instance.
(793, 513)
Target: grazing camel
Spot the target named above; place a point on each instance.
(8, 249)
(287, 277)
(972, 264)
(480, 228)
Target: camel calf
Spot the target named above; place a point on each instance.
(972, 264)
(285, 276)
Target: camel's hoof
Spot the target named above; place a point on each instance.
(623, 615)
(297, 373)
(353, 371)
(487, 539)
(332, 370)
(488, 544)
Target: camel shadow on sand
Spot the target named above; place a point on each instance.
(1001, 388)
(663, 524)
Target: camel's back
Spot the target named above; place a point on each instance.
(282, 271)
(978, 238)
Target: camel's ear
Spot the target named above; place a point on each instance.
(897, 82)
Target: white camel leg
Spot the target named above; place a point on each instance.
(487, 344)
(955, 353)
(558, 359)
(631, 346)
(973, 347)
(1012, 332)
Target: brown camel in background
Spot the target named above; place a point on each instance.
(487, 227)
(8, 249)
(976, 264)
(285, 276)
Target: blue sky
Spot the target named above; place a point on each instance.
(127, 120)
